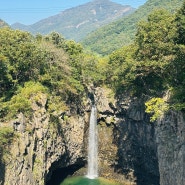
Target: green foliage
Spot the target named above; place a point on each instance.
(176, 68)
(150, 78)
(153, 65)
(6, 137)
(180, 24)
(21, 101)
(56, 38)
(75, 52)
(56, 105)
(42, 64)
(155, 37)
(126, 73)
(24, 60)
(72, 48)
(94, 70)
(66, 55)
(122, 32)
(121, 67)
(149, 61)
(32, 66)
(157, 107)
(5, 77)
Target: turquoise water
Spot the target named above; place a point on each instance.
(87, 181)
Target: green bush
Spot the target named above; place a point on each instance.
(21, 101)
(157, 107)
(6, 136)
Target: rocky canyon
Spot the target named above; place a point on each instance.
(132, 150)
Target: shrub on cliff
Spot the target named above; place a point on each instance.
(157, 107)
(6, 137)
(21, 101)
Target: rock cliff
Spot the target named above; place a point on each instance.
(131, 149)
(135, 154)
(42, 144)
(170, 137)
(146, 153)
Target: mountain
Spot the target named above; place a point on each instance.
(75, 23)
(122, 31)
(3, 23)
(20, 26)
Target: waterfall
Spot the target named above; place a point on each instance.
(92, 171)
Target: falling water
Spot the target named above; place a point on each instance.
(93, 146)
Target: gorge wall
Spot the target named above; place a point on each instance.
(170, 137)
(43, 144)
(134, 136)
(147, 153)
(131, 149)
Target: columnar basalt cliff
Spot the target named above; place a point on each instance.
(135, 152)
(131, 149)
(43, 144)
(170, 135)
(147, 153)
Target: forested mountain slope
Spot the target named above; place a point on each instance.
(120, 33)
(75, 23)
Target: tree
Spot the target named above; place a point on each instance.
(25, 60)
(155, 37)
(56, 38)
(5, 77)
(121, 69)
(180, 24)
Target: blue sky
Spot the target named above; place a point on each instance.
(31, 11)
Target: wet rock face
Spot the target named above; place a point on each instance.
(132, 140)
(106, 125)
(170, 133)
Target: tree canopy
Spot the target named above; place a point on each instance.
(155, 63)
(60, 68)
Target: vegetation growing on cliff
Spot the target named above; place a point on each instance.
(42, 64)
(62, 69)
(155, 63)
(31, 66)
(6, 137)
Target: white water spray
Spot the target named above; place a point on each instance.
(93, 146)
